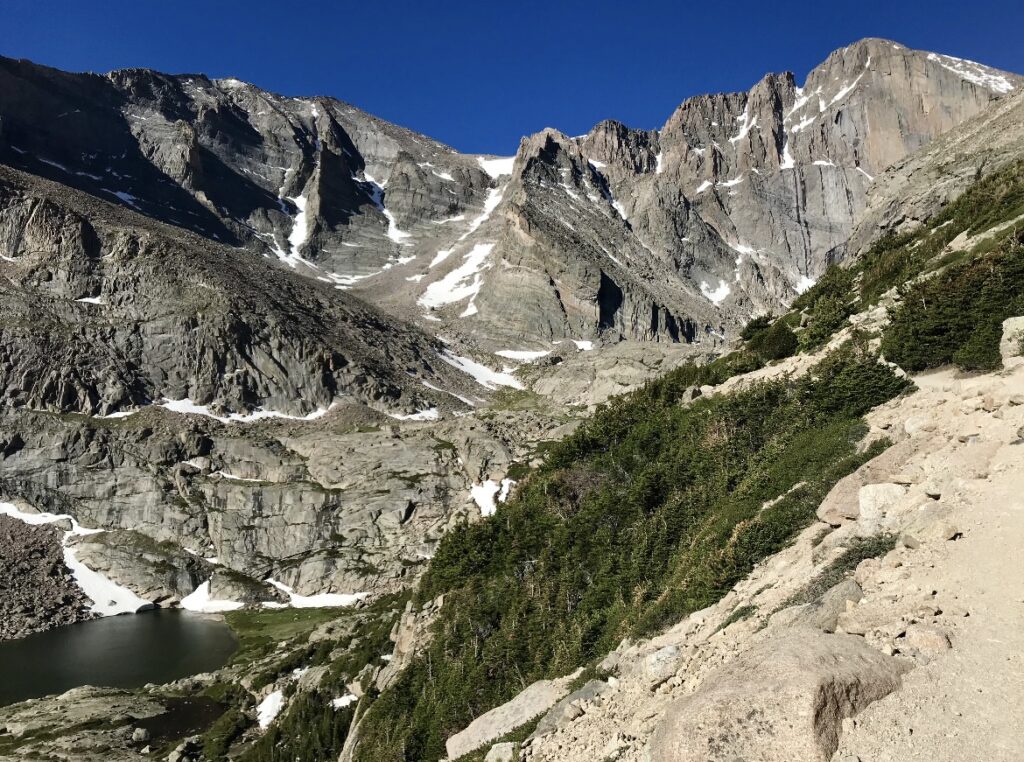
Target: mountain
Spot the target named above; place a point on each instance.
(680, 234)
(262, 352)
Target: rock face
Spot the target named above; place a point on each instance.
(37, 591)
(784, 700)
(674, 235)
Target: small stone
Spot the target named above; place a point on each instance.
(926, 638)
(910, 542)
(140, 735)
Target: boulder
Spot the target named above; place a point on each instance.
(501, 752)
(567, 710)
(785, 699)
(824, 614)
(843, 502)
(875, 500)
(1013, 335)
(537, 699)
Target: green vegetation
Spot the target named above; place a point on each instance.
(956, 317)
(311, 731)
(649, 511)
(859, 549)
(774, 342)
(951, 318)
(260, 630)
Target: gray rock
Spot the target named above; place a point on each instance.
(1012, 338)
(536, 699)
(501, 752)
(784, 699)
(566, 710)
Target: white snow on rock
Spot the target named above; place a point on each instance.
(459, 397)
(440, 257)
(91, 300)
(490, 204)
(200, 600)
(746, 124)
(823, 163)
(299, 232)
(484, 495)
(377, 196)
(463, 282)
(522, 355)
(489, 493)
(974, 72)
(731, 183)
(321, 600)
(108, 597)
(430, 414)
(343, 701)
(188, 407)
(583, 345)
(497, 167)
(804, 283)
(716, 295)
(869, 177)
(597, 164)
(703, 186)
(269, 708)
(659, 164)
(486, 377)
(506, 489)
(787, 158)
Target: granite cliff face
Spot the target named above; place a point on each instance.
(680, 234)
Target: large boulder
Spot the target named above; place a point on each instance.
(537, 699)
(1013, 337)
(783, 700)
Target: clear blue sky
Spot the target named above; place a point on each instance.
(479, 74)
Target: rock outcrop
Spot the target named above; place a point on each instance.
(37, 590)
(784, 699)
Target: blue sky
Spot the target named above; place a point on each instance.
(479, 75)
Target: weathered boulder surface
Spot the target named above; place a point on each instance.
(536, 699)
(783, 700)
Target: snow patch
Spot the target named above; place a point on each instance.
(717, 295)
(200, 600)
(484, 495)
(430, 414)
(583, 345)
(974, 72)
(109, 598)
(463, 282)
(522, 355)
(321, 600)
(486, 377)
(269, 708)
(91, 300)
(188, 407)
(343, 701)
(803, 284)
(497, 167)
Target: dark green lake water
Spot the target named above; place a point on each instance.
(121, 652)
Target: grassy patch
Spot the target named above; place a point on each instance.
(259, 630)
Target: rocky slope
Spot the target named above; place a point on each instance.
(925, 630)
